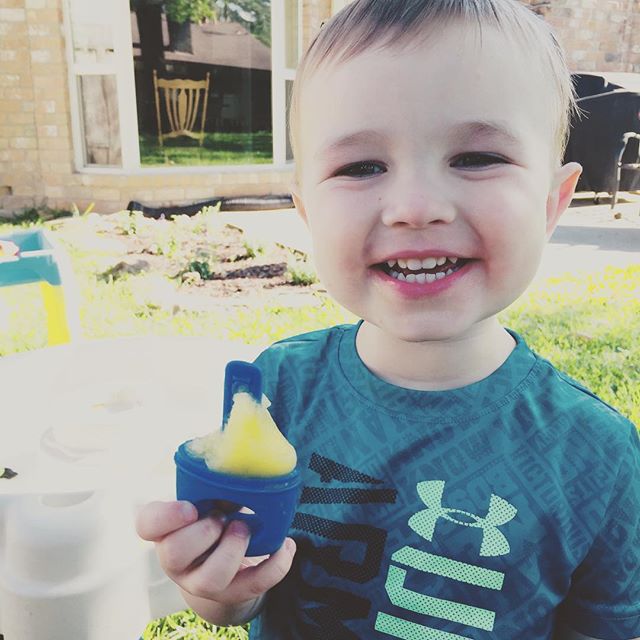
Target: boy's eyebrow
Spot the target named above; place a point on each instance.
(461, 133)
(479, 129)
(351, 140)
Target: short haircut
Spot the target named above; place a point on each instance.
(369, 24)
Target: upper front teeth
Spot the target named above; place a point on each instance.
(414, 264)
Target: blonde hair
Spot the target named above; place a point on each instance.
(368, 24)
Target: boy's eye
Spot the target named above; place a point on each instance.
(477, 160)
(361, 169)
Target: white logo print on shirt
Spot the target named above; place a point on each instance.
(494, 543)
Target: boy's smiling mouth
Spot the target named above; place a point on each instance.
(422, 270)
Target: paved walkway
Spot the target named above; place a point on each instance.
(587, 239)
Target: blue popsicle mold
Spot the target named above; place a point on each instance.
(240, 376)
(272, 500)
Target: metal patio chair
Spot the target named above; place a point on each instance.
(629, 163)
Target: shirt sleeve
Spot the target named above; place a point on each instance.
(604, 598)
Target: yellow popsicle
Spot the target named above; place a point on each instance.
(250, 444)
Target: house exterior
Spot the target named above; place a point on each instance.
(68, 76)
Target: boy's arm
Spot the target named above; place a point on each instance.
(604, 596)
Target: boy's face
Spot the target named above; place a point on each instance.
(441, 150)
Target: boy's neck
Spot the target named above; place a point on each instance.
(435, 365)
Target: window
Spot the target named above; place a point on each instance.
(287, 51)
(96, 81)
(119, 114)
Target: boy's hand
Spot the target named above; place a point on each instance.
(223, 575)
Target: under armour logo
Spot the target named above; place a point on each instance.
(500, 512)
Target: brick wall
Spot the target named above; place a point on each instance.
(598, 35)
(19, 157)
(36, 150)
(314, 12)
(36, 157)
(601, 35)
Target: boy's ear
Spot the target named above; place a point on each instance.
(562, 190)
(298, 203)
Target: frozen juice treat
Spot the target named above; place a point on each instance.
(247, 468)
(250, 444)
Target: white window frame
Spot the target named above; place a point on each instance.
(280, 73)
(122, 68)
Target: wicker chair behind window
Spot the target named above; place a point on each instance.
(181, 101)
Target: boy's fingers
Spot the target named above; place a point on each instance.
(179, 551)
(253, 581)
(182, 540)
(157, 519)
(212, 578)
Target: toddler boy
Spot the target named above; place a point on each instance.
(456, 485)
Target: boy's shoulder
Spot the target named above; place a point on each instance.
(558, 392)
(294, 368)
(561, 403)
(311, 345)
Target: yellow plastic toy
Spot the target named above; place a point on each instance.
(27, 257)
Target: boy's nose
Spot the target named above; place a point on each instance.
(417, 203)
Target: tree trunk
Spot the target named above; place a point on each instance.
(180, 36)
(149, 17)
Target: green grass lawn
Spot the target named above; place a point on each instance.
(587, 325)
(187, 625)
(218, 148)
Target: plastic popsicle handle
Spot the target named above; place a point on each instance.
(240, 376)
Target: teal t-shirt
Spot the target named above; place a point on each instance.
(485, 512)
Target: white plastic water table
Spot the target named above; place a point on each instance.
(91, 428)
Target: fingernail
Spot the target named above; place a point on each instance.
(240, 529)
(289, 545)
(187, 510)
